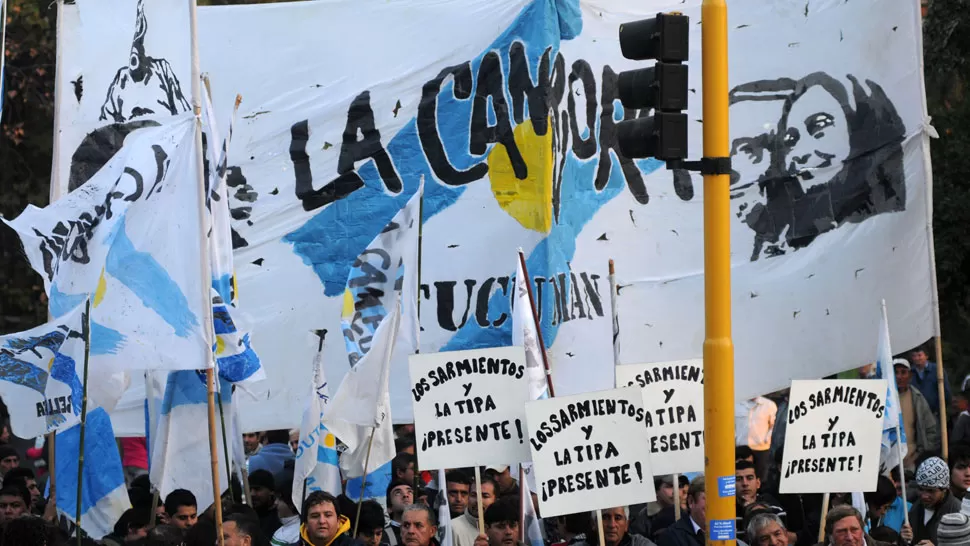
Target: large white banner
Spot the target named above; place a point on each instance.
(512, 126)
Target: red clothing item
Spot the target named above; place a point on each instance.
(134, 452)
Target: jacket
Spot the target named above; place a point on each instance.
(288, 534)
(869, 542)
(271, 457)
(628, 539)
(342, 538)
(681, 533)
(927, 531)
(464, 530)
(926, 383)
(895, 517)
(927, 428)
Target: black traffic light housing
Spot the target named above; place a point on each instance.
(662, 87)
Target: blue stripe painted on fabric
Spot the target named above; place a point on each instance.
(185, 387)
(104, 340)
(327, 455)
(377, 482)
(102, 463)
(239, 367)
(64, 370)
(148, 280)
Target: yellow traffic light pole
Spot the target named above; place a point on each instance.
(718, 347)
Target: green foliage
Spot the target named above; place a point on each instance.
(946, 50)
(26, 136)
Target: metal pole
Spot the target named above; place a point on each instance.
(718, 346)
(84, 416)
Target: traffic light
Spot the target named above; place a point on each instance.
(662, 87)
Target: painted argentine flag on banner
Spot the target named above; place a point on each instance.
(894, 447)
(40, 375)
(316, 456)
(104, 497)
(128, 237)
(235, 357)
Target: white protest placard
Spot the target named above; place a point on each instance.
(833, 436)
(590, 451)
(673, 397)
(469, 407)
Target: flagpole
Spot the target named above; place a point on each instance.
(225, 445)
(825, 510)
(363, 480)
(535, 315)
(478, 495)
(204, 266)
(84, 416)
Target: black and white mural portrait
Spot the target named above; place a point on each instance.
(833, 157)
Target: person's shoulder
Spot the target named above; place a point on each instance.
(640, 540)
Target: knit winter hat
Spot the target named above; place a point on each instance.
(954, 530)
(933, 473)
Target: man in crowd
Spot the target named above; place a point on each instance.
(616, 526)
(289, 531)
(747, 493)
(403, 468)
(241, 530)
(935, 501)
(954, 530)
(14, 502)
(572, 529)
(274, 455)
(181, 509)
(767, 530)
(690, 529)
(322, 523)
(507, 485)
(959, 461)
(251, 443)
(464, 529)
(131, 527)
(9, 459)
(262, 487)
(924, 379)
(896, 514)
(370, 527)
(844, 527)
(458, 486)
(501, 525)
(922, 430)
(400, 495)
(24, 477)
(879, 502)
(657, 516)
(418, 526)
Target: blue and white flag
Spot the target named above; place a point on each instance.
(40, 374)
(317, 462)
(130, 238)
(235, 358)
(104, 497)
(525, 335)
(380, 327)
(894, 448)
(375, 488)
(180, 446)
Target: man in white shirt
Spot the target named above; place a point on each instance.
(464, 529)
(754, 421)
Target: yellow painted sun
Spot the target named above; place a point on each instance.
(529, 201)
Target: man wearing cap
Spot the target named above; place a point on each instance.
(922, 430)
(507, 485)
(262, 486)
(935, 501)
(954, 530)
(9, 459)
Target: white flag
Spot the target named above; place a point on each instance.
(524, 334)
(894, 447)
(444, 511)
(40, 374)
(317, 463)
(130, 238)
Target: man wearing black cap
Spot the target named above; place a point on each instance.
(9, 459)
(289, 533)
(263, 490)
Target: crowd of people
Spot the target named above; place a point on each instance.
(921, 506)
